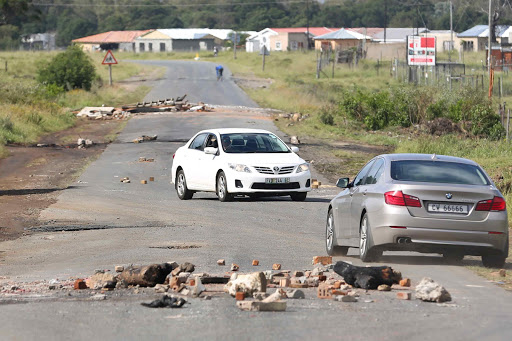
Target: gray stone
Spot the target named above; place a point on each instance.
(295, 294)
(347, 298)
(384, 287)
(248, 284)
(430, 291)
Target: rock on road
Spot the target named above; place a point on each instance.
(103, 222)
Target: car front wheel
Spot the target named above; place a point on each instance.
(330, 238)
(222, 188)
(181, 186)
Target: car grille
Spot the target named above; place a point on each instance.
(268, 170)
(262, 185)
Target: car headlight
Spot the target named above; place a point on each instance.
(239, 168)
(302, 168)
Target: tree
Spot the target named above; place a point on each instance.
(71, 69)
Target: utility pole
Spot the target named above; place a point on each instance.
(234, 45)
(489, 40)
(307, 21)
(385, 18)
(451, 32)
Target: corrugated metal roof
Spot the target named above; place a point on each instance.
(393, 33)
(370, 31)
(315, 31)
(342, 34)
(195, 33)
(111, 37)
(475, 31)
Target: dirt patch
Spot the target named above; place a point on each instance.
(32, 177)
(335, 159)
(248, 82)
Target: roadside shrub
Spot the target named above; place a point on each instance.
(69, 70)
(485, 122)
(326, 116)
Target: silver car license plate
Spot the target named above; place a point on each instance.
(448, 208)
(277, 180)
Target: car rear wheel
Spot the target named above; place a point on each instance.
(496, 261)
(222, 188)
(367, 252)
(331, 245)
(181, 186)
(299, 196)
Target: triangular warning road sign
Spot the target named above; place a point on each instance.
(109, 58)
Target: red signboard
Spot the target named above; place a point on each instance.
(421, 50)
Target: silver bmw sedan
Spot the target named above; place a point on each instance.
(419, 202)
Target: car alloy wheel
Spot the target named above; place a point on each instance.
(222, 188)
(181, 186)
(330, 244)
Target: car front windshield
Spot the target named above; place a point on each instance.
(438, 172)
(252, 143)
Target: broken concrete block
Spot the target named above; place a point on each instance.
(80, 284)
(403, 295)
(146, 276)
(198, 287)
(221, 262)
(255, 262)
(276, 266)
(384, 287)
(406, 282)
(261, 306)
(324, 260)
(276, 296)
(308, 273)
(119, 268)
(298, 285)
(235, 267)
(161, 288)
(88, 142)
(248, 284)
(101, 280)
(295, 294)
(298, 273)
(259, 295)
(98, 297)
(431, 291)
(240, 296)
(312, 281)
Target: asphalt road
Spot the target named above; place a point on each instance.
(99, 223)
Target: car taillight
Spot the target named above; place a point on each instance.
(496, 204)
(398, 198)
(173, 155)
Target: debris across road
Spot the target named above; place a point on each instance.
(326, 281)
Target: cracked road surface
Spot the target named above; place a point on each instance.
(100, 222)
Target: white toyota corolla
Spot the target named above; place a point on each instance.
(239, 161)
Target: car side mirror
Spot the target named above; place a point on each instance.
(295, 149)
(211, 150)
(343, 183)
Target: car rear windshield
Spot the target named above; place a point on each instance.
(252, 143)
(438, 172)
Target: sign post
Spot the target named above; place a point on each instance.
(109, 60)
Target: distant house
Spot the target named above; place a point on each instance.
(176, 39)
(340, 40)
(476, 38)
(284, 39)
(39, 41)
(112, 40)
(396, 35)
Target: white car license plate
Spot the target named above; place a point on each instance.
(277, 180)
(448, 208)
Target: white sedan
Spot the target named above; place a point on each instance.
(234, 162)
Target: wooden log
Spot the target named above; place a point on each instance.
(367, 277)
(146, 276)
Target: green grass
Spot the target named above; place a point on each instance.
(27, 111)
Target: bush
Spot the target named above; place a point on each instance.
(326, 117)
(71, 69)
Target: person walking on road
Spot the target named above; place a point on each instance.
(219, 69)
